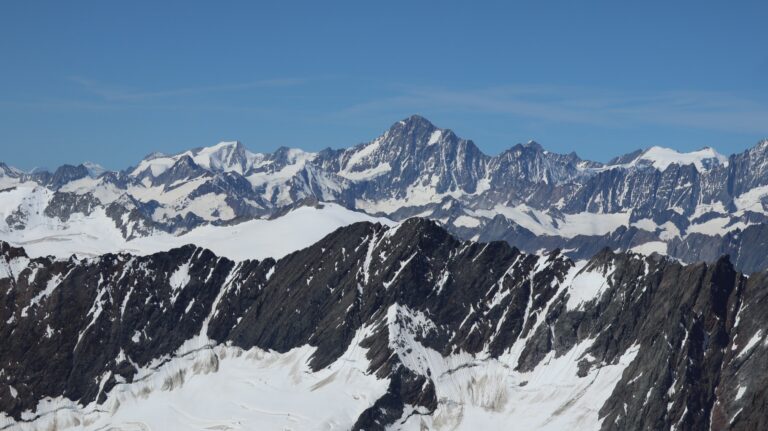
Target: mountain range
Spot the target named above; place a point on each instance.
(692, 206)
(408, 283)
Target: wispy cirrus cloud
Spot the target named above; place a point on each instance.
(111, 92)
(541, 104)
(693, 109)
(68, 104)
(93, 95)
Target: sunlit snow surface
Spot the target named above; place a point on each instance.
(541, 223)
(205, 387)
(97, 234)
(660, 158)
(222, 387)
(489, 394)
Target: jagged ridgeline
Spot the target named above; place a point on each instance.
(693, 206)
(376, 327)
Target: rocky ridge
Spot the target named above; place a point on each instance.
(633, 341)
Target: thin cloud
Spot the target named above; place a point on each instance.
(59, 104)
(81, 105)
(109, 97)
(701, 110)
(114, 93)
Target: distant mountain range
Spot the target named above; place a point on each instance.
(692, 206)
(362, 289)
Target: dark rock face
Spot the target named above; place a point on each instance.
(744, 246)
(70, 320)
(417, 153)
(62, 205)
(66, 174)
(579, 247)
(76, 328)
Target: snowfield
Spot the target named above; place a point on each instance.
(221, 387)
(96, 234)
(209, 387)
(660, 158)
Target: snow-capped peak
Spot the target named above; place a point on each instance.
(6, 170)
(660, 158)
(94, 169)
(226, 156)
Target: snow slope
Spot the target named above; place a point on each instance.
(222, 157)
(209, 387)
(568, 226)
(257, 239)
(661, 158)
(95, 234)
(489, 394)
(223, 387)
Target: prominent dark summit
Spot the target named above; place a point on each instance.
(79, 328)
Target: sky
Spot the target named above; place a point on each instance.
(110, 82)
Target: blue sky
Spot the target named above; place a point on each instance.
(110, 82)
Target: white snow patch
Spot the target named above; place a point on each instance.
(254, 239)
(178, 280)
(651, 247)
(661, 158)
(571, 225)
(477, 394)
(646, 224)
(368, 174)
(435, 137)
(222, 387)
(751, 343)
(752, 200)
(585, 286)
(592, 224)
(50, 286)
(715, 226)
(222, 157)
(466, 221)
(740, 392)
